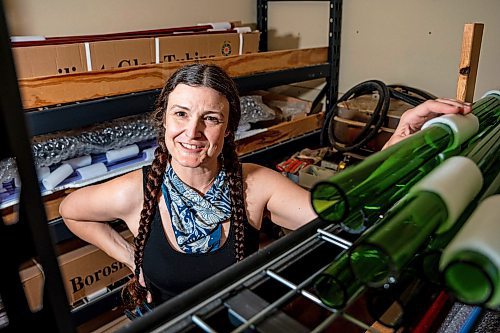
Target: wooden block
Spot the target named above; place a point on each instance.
(469, 61)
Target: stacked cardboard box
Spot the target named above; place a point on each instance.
(78, 56)
(85, 271)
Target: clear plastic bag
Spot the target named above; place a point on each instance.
(98, 139)
(254, 110)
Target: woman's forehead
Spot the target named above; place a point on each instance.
(187, 96)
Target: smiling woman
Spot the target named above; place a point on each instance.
(197, 209)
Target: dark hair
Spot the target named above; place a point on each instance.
(195, 75)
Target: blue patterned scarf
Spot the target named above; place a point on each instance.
(197, 220)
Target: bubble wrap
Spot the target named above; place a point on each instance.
(8, 170)
(254, 110)
(456, 317)
(49, 150)
(98, 139)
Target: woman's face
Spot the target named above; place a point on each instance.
(196, 122)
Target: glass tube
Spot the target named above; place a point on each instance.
(374, 208)
(392, 243)
(334, 199)
(471, 262)
(336, 285)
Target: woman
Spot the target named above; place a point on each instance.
(199, 209)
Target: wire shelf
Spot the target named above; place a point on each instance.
(256, 299)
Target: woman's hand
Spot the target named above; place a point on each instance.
(412, 120)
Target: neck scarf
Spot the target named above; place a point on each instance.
(197, 220)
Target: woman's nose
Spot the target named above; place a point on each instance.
(194, 128)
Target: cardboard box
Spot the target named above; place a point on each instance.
(122, 53)
(84, 271)
(250, 42)
(194, 47)
(32, 61)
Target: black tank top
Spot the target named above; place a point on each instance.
(168, 272)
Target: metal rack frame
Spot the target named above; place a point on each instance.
(31, 229)
(186, 313)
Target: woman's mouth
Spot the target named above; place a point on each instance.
(191, 146)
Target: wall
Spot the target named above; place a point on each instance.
(76, 17)
(411, 42)
(416, 43)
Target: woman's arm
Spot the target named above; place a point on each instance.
(288, 203)
(413, 119)
(87, 211)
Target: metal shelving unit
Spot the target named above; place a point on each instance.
(84, 113)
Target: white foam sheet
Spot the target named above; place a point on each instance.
(79, 162)
(57, 176)
(116, 155)
(92, 171)
(42, 172)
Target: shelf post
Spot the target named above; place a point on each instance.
(29, 237)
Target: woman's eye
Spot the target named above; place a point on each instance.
(212, 119)
(180, 113)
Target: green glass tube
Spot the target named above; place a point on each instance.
(433, 206)
(471, 262)
(487, 109)
(336, 285)
(392, 243)
(428, 259)
(348, 190)
(472, 277)
(485, 151)
(375, 207)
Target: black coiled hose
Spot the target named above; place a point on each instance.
(379, 114)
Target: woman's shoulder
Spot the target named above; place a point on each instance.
(120, 197)
(261, 178)
(126, 191)
(257, 172)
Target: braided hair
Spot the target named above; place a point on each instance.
(196, 75)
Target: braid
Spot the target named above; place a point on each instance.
(235, 178)
(134, 294)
